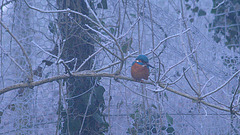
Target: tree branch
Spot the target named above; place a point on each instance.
(231, 105)
(177, 64)
(14, 61)
(115, 63)
(112, 36)
(85, 61)
(88, 73)
(190, 84)
(220, 87)
(176, 35)
(30, 78)
(61, 11)
(54, 56)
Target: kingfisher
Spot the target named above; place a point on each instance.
(140, 68)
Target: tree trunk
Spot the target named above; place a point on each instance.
(77, 45)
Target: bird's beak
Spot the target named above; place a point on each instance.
(150, 65)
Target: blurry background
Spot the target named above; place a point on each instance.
(193, 45)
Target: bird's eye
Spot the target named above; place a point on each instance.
(138, 61)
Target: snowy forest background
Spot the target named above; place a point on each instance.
(65, 67)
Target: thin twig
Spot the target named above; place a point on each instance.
(7, 2)
(75, 64)
(99, 43)
(30, 78)
(236, 91)
(177, 63)
(196, 75)
(61, 11)
(204, 86)
(206, 114)
(112, 36)
(153, 43)
(85, 114)
(98, 32)
(179, 77)
(190, 84)
(85, 61)
(44, 50)
(176, 35)
(67, 112)
(14, 61)
(131, 27)
(104, 46)
(66, 67)
(115, 63)
(193, 98)
(219, 102)
(59, 101)
(220, 87)
(219, 4)
(81, 93)
(159, 66)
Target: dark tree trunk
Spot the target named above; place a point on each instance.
(77, 45)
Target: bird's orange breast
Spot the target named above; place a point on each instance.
(139, 72)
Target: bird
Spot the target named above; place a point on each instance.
(140, 68)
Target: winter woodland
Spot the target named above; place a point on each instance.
(65, 67)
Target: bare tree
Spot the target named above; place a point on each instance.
(75, 56)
